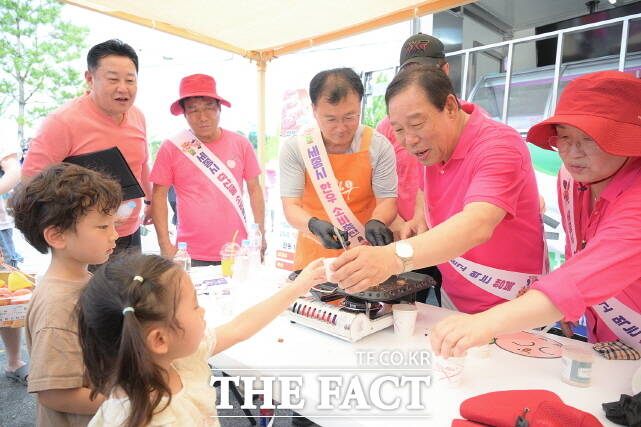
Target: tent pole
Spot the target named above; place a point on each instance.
(261, 66)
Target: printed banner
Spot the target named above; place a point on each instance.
(312, 148)
(624, 322)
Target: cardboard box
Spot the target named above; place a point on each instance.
(13, 310)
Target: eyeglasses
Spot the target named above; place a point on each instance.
(348, 119)
(563, 144)
(206, 108)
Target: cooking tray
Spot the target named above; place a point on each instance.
(397, 286)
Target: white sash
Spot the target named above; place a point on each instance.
(214, 169)
(501, 283)
(624, 322)
(319, 169)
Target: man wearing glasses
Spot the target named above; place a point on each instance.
(206, 164)
(338, 179)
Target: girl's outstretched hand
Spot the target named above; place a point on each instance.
(311, 275)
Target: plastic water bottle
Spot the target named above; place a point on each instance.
(126, 209)
(241, 263)
(182, 256)
(255, 244)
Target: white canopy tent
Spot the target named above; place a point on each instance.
(262, 30)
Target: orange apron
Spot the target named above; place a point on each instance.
(354, 174)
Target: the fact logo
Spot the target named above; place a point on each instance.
(384, 383)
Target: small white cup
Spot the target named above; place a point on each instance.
(329, 274)
(450, 370)
(404, 319)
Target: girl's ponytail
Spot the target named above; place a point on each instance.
(112, 313)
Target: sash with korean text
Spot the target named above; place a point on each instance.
(501, 283)
(319, 169)
(623, 321)
(214, 169)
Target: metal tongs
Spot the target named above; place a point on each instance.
(337, 231)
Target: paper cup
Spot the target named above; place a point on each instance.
(404, 319)
(450, 370)
(329, 274)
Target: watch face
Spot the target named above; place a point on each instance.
(404, 250)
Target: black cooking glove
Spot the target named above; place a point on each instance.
(627, 411)
(377, 233)
(325, 231)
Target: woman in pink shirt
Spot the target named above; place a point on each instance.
(597, 132)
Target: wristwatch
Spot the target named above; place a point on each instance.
(147, 202)
(405, 252)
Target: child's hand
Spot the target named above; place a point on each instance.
(453, 335)
(311, 275)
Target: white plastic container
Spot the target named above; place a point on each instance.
(241, 263)
(255, 244)
(125, 209)
(577, 365)
(182, 256)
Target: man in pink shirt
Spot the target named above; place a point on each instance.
(207, 166)
(421, 49)
(479, 196)
(418, 49)
(103, 118)
(597, 131)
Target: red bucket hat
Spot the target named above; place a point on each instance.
(604, 105)
(196, 85)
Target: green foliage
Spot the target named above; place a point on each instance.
(375, 112)
(376, 109)
(154, 146)
(36, 48)
(271, 147)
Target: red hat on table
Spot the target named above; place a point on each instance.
(196, 85)
(605, 105)
(503, 409)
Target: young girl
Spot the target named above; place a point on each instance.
(145, 345)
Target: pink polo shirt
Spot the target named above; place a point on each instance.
(206, 219)
(490, 163)
(78, 127)
(610, 263)
(407, 169)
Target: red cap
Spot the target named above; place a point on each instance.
(196, 85)
(544, 409)
(604, 105)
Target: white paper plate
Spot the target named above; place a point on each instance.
(636, 381)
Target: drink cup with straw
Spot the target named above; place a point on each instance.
(227, 255)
